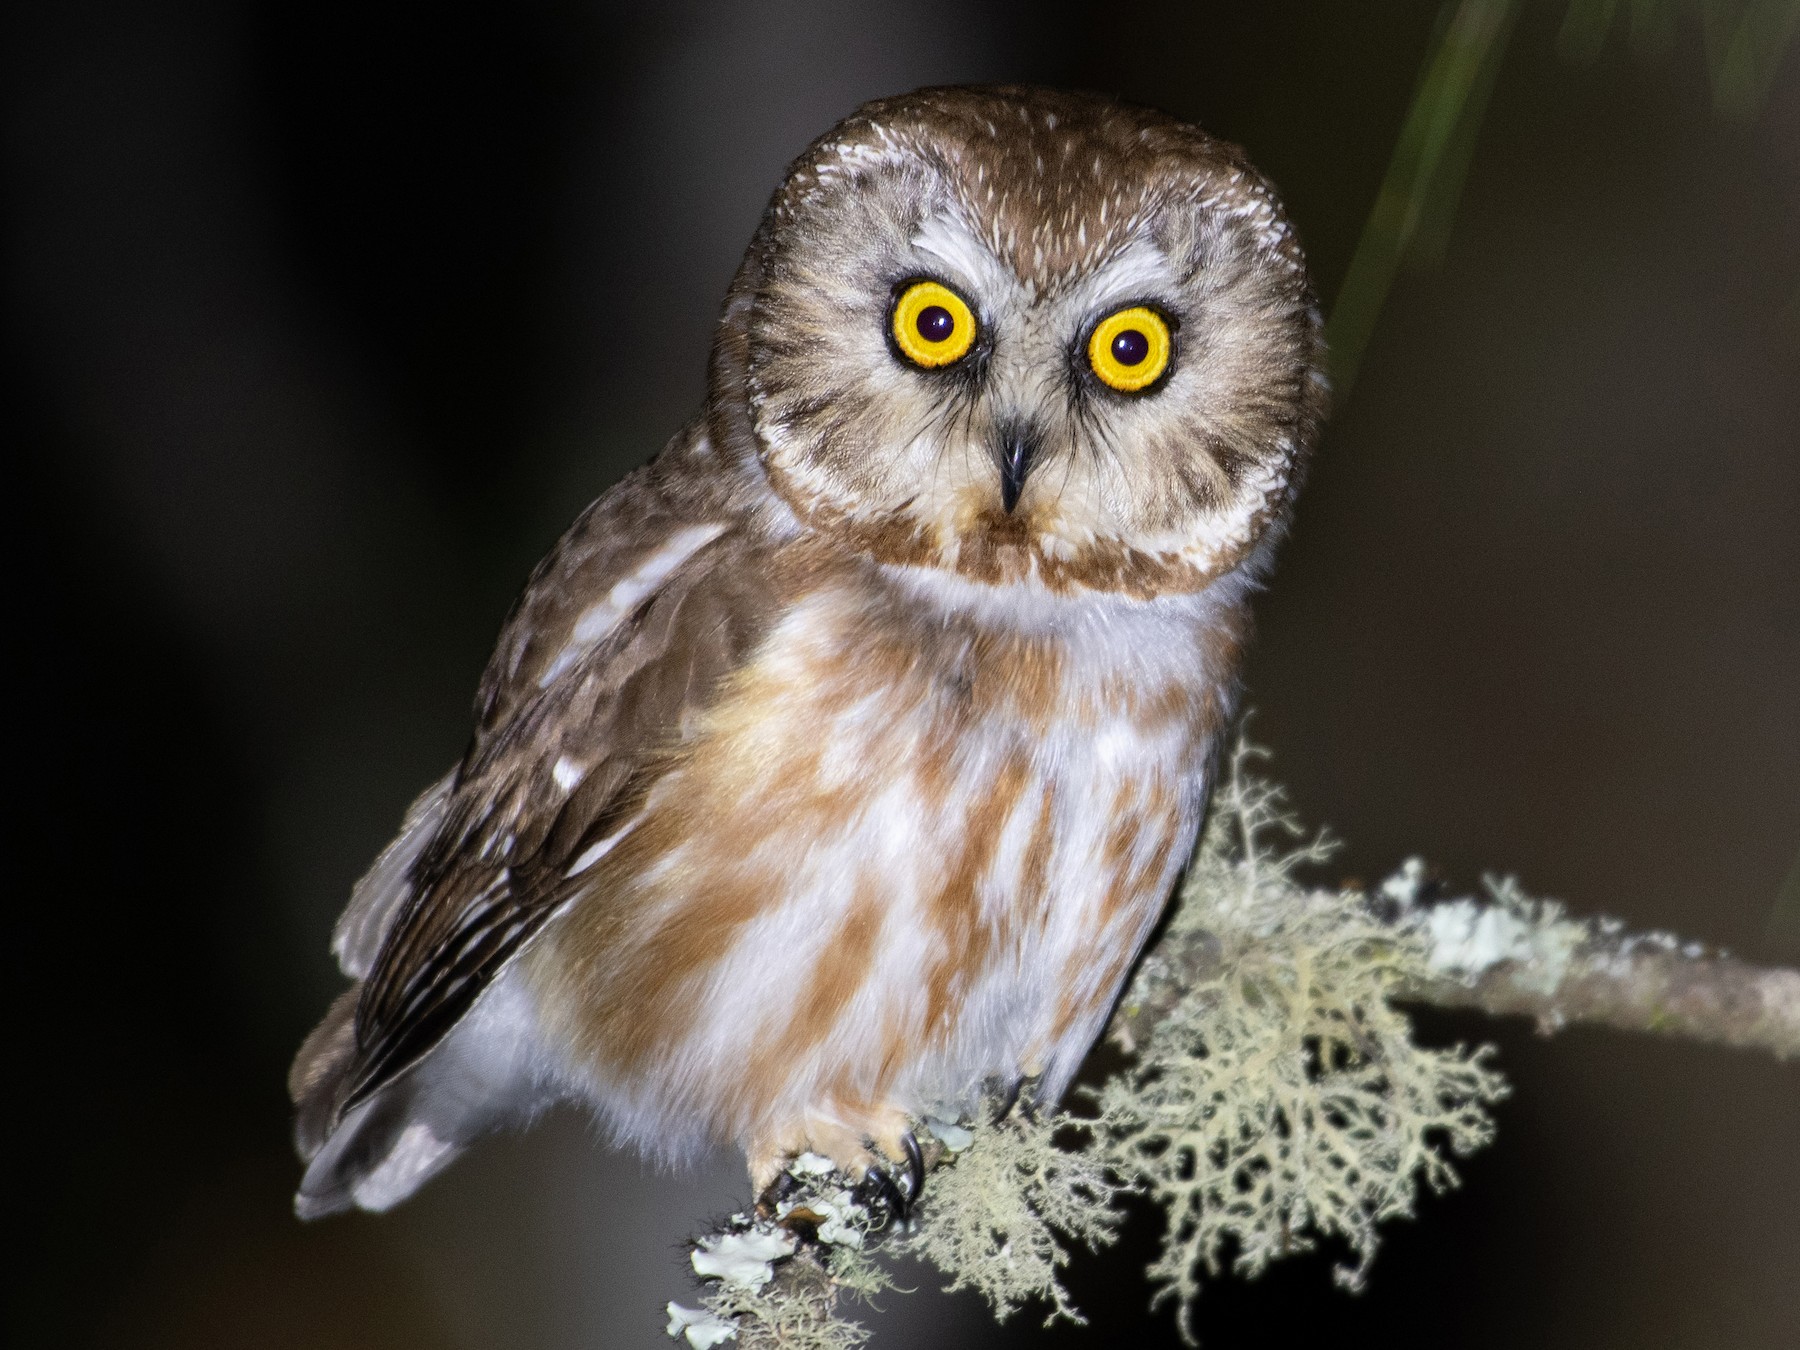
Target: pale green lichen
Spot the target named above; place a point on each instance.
(800, 1312)
(994, 1214)
(701, 1329)
(1467, 937)
(768, 1291)
(747, 1258)
(1283, 1098)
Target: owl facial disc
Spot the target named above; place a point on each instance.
(1010, 333)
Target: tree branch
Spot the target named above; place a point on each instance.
(1637, 984)
(1512, 957)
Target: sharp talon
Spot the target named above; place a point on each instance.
(1010, 1100)
(887, 1194)
(1021, 1097)
(915, 1168)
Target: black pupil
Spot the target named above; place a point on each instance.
(1130, 347)
(936, 323)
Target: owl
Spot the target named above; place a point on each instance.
(837, 763)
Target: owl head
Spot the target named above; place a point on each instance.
(1022, 334)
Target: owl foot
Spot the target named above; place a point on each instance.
(883, 1159)
(1019, 1095)
(884, 1191)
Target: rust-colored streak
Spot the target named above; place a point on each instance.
(828, 987)
(955, 912)
(1121, 835)
(655, 1000)
(1021, 676)
(1142, 852)
(1085, 994)
(1033, 900)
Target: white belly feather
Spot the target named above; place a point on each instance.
(912, 856)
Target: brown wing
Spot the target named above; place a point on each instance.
(572, 714)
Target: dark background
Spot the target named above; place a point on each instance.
(323, 319)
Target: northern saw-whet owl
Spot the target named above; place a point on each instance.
(838, 762)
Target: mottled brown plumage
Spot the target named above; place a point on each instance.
(819, 777)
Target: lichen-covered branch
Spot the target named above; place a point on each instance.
(1716, 999)
(1511, 957)
(778, 1275)
(1275, 1093)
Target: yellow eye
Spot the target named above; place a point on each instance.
(933, 325)
(1130, 350)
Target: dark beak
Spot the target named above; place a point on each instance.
(1018, 454)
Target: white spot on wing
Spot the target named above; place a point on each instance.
(600, 618)
(595, 852)
(567, 773)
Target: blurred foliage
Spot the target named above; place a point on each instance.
(1413, 209)
(1743, 41)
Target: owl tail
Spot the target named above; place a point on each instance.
(315, 1082)
(377, 1154)
(385, 1148)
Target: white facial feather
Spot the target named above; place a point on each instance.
(946, 239)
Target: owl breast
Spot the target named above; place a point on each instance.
(915, 845)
